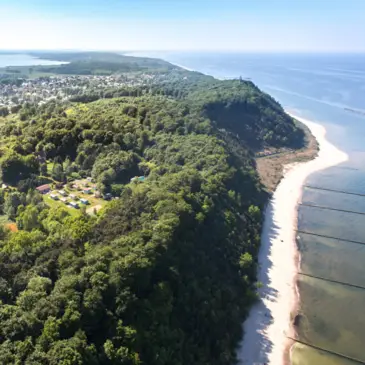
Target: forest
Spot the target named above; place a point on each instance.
(165, 273)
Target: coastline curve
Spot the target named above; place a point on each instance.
(270, 321)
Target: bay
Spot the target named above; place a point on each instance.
(20, 59)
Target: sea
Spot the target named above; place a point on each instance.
(21, 59)
(328, 89)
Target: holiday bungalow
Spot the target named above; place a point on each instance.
(43, 189)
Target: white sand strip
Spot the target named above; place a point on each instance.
(269, 322)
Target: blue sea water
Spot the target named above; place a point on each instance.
(328, 89)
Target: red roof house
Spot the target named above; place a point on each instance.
(43, 189)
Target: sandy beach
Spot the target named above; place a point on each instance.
(270, 320)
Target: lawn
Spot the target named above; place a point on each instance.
(57, 203)
(97, 203)
(49, 167)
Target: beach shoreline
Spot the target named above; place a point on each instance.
(270, 322)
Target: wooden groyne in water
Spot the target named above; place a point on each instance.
(326, 351)
(328, 208)
(331, 237)
(333, 190)
(296, 340)
(332, 281)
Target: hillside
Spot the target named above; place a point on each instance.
(165, 273)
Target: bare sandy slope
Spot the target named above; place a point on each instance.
(269, 322)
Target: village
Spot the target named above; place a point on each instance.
(75, 195)
(62, 88)
(81, 194)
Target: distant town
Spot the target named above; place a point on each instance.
(62, 88)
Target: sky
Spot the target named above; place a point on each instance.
(193, 25)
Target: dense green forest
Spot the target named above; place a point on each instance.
(166, 272)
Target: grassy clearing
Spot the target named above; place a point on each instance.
(58, 204)
(49, 167)
(94, 202)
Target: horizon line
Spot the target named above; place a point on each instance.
(125, 51)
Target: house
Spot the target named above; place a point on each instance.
(137, 178)
(84, 201)
(64, 200)
(43, 189)
(54, 196)
(73, 196)
(74, 205)
(62, 192)
(87, 191)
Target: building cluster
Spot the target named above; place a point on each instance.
(62, 88)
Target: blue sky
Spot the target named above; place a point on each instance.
(230, 25)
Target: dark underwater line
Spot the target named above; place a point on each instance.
(332, 281)
(328, 208)
(346, 168)
(326, 351)
(333, 190)
(331, 237)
